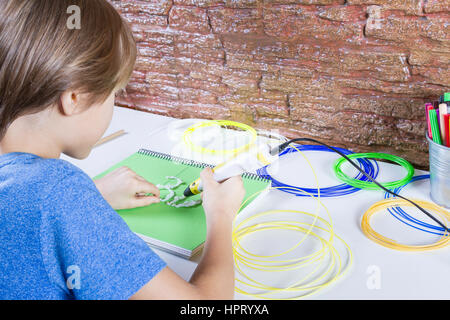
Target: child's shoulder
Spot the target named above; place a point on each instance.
(26, 171)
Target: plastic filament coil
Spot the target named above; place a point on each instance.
(324, 266)
(401, 215)
(390, 243)
(334, 191)
(306, 273)
(370, 185)
(187, 137)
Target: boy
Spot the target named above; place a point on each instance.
(57, 87)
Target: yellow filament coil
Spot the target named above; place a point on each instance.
(187, 137)
(389, 243)
(319, 276)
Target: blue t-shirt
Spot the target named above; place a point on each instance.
(60, 239)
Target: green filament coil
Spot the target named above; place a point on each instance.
(370, 185)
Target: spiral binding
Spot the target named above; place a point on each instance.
(178, 160)
(253, 176)
(194, 163)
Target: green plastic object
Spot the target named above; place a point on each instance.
(436, 132)
(447, 97)
(370, 185)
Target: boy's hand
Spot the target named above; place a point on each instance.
(221, 199)
(124, 189)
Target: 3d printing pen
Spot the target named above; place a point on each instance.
(248, 161)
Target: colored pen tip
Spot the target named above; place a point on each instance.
(187, 192)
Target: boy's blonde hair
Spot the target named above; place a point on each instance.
(41, 56)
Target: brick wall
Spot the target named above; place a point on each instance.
(354, 73)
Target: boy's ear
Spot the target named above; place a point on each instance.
(70, 103)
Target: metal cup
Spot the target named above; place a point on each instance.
(440, 173)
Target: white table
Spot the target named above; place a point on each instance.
(402, 275)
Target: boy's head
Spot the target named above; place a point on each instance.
(58, 78)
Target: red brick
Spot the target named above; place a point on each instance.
(189, 19)
(209, 41)
(315, 117)
(164, 91)
(162, 85)
(197, 96)
(188, 82)
(317, 2)
(198, 3)
(199, 47)
(439, 76)
(291, 84)
(261, 107)
(201, 110)
(259, 46)
(204, 76)
(193, 51)
(162, 65)
(377, 87)
(326, 102)
(214, 3)
(292, 70)
(157, 7)
(240, 112)
(146, 49)
(271, 64)
(280, 110)
(411, 30)
(244, 98)
(240, 80)
(243, 3)
(414, 127)
(427, 58)
(372, 128)
(274, 95)
(240, 74)
(433, 6)
(409, 6)
(292, 22)
(137, 87)
(161, 78)
(316, 53)
(279, 126)
(228, 20)
(138, 76)
(151, 104)
(377, 65)
(150, 34)
(244, 61)
(438, 29)
(343, 13)
(146, 19)
(296, 129)
(405, 108)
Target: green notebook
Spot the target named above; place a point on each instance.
(181, 231)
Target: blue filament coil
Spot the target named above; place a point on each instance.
(334, 191)
(405, 218)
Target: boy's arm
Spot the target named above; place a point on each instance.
(214, 276)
